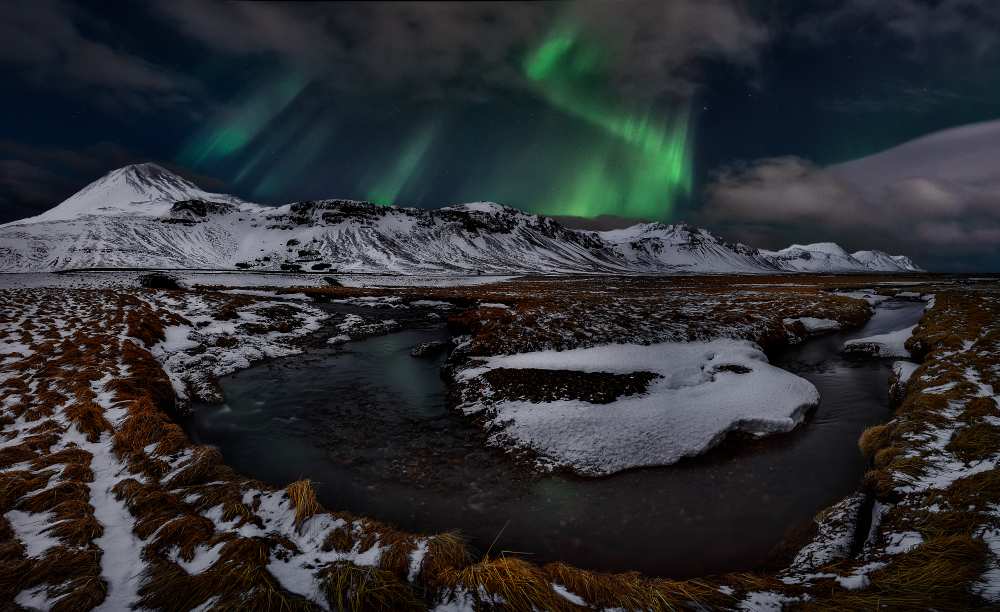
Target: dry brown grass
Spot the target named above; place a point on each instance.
(303, 499)
(53, 496)
(73, 575)
(396, 548)
(975, 441)
(340, 539)
(15, 485)
(517, 583)
(146, 379)
(205, 465)
(78, 531)
(352, 588)
(632, 591)
(875, 438)
(445, 552)
(935, 575)
(239, 580)
(980, 407)
(89, 419)
(140, 428)
(186, 533)
(979, 491)
(12, 455)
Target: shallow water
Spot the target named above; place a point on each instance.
(368, 424)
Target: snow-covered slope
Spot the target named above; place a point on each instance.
(145, 216)
(139, 189)
(830, 257)
(655, 246)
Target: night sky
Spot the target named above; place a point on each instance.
(750, 118)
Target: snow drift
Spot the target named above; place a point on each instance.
(705, 391)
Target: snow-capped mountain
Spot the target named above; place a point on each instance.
(830, 257)
(146, 216)
(139, 189)
(656, 246)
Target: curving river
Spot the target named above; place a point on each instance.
(369, 425)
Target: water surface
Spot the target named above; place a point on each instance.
(369, 425)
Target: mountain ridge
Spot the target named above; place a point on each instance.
(145, 216)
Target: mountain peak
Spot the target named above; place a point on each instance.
(145, 189)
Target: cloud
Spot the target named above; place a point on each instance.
(782, 190)
(43, 42)
(962, 27)
(445, 47)
(935, 196)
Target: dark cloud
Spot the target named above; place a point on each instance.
(43, 43)
(933, 197)
(962, 27)
(436, 47)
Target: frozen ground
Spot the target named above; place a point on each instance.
(129, 278)
(705, 390)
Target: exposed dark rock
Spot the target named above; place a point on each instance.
(537, 385)
(158, 280)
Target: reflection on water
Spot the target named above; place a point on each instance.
(369, 424)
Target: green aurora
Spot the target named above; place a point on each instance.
(636, 167)
(619, 162)
(386, 188)
(572, 76)
(231, 134)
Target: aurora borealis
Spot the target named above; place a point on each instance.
(735, 115)
(569, 74)
(633, 165)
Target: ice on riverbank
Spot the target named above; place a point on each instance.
(813, 325)
(891, 344)
(706, 390)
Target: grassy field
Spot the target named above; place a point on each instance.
(103, 498)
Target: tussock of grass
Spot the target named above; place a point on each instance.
(140, 428)
(172, 439)
(186, 533)
(146, 379)
(303, 499)
(15, 485)
(239, 580)
(51, 497)
(72, 573)
(979, 407)
(517, 583)
(89, 419)
(340, 539)
(144, 327)
(70, 455)
(979, 491)
(632, 591)
(396, 548)
(445, 552)
(10, 548)
(886, 456)
(935, 575)
(12, 455)
(352, 588)
(975, 441)
(204, 466)
(77, 531)
(875, 438)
